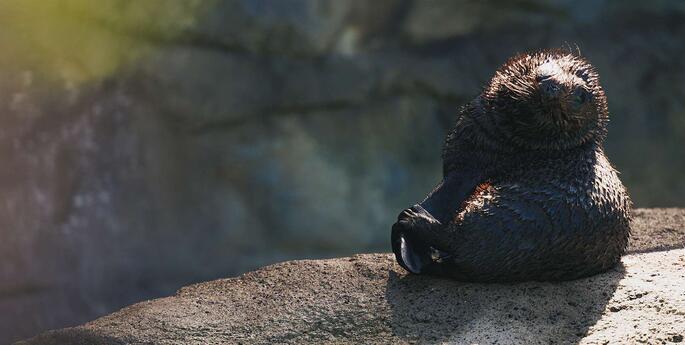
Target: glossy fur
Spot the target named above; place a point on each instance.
(528, 193)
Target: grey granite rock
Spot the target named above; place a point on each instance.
(370, 299)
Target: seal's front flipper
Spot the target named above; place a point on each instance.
(411, 250)
(419, 230)
(412, 255)
(444, 202)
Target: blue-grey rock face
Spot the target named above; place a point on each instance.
(148, 145)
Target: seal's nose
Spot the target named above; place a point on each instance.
(551, 89)
(548, 77)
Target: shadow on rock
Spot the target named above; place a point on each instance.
(425, 308)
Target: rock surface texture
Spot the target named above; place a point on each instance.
(370, 299)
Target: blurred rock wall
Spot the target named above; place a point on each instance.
(147, 145)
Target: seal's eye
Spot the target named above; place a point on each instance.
(583, 74)
(580, 96)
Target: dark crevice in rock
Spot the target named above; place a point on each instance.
(158, 38)
(294, 110)
(184, 38)
(420, 89)
(21, 291)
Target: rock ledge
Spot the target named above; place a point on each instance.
(370, 299)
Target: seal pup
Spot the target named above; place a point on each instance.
(527, 191)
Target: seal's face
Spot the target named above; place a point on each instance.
(549, 100)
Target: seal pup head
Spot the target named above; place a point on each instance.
(546, 100)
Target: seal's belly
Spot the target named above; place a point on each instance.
(550, 230)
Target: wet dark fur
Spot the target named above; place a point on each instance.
(528, 193)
